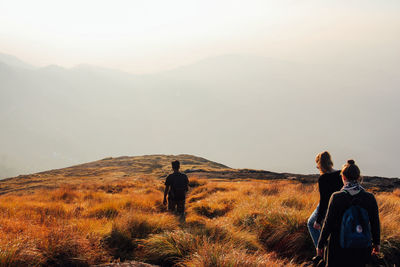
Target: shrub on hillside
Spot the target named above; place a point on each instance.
(225, 232)
(107, 210)
(291, 202)
(210, 254)
(12, 254)
(130, 229)
(215, 206)
(195, 182)
(54, 210)
(120, 244)
(65, 247)
(169, 247)
(286, 234)
(64, 193)
(210, 189)
(211, 210)
(195, 221)
(271, 189)
(148, 202)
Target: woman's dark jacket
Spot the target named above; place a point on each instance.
(328, 183)
(338, 204)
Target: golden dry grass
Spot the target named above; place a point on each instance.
(228, 223)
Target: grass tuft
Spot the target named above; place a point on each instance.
(196, 182)
(128, 231)
(105, 211)
(212, 254)
(169, 247)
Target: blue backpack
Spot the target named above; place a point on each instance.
(355, 231)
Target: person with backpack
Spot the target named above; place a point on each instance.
(351, 223)
(176, 187)
(329, 182)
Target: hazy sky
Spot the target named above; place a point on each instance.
(150, 36)
(302, 75)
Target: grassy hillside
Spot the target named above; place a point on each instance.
(106, 171)
(112, 210)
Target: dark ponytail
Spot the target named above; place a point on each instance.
(351, 171)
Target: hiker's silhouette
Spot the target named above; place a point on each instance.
(176, 187)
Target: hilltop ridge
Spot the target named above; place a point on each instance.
(117, 169)
(109, 170)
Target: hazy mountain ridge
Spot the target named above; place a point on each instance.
(225, 107)
(13, 61)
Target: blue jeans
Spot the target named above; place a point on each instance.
(310, 224)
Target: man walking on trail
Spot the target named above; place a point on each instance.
(176, 186)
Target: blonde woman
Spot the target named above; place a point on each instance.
(329, 182)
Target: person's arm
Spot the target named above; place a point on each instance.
(167, 187)
(328, 224)
(187, 183)
(375, 225)
(323, 201)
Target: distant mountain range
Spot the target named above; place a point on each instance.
(247, 111)
(13, 61)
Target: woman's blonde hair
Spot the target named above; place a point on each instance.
(324, 161)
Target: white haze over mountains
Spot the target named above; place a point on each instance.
(241, 110)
